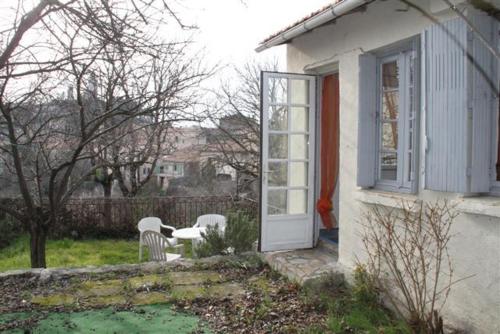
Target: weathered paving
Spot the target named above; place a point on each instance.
(142, 290)
(303, 265)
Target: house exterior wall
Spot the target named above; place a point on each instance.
(475, 249)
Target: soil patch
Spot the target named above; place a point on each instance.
(230, 296)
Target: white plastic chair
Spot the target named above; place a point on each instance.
(157, 242)
(153, 224)
(209, 220)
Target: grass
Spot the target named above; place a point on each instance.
(72, 253)
(351, 309)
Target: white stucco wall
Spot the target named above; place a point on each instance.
(473, 303)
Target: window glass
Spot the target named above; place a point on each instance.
(278, 146)
(300, 119)
(389, 136)
(390, 75)
(299, 91)
(298, 174)
(388, 166)
(396, 120)
(278, 174)
(389, 120)
(298, 201)
(278, 118)
(390, 100)
(276, 202)
(299, 146)
(277, 90)
(288, 123)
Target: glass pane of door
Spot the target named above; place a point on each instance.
(288, 133)
(288, 124)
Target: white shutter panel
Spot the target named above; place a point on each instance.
(484, 92)
(367, 121)
(446, 102)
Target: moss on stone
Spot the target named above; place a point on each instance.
(195, 277)
(57, 299)
(224, 290)
(148, 281)
(105, 300)
(260, 284)
(102, 288)
(187, 292)
(149, 298)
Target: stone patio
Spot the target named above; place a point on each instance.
(303, 265)
(141, 290)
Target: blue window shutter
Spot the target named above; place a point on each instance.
(446, 161)
(484, 92)
(460, 92)
(367, 120)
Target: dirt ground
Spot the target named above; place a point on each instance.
(233, 296)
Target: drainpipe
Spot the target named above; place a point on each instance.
(332, 12)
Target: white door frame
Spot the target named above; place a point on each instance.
(287, 231)
(330, 69)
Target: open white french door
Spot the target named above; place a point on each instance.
(287, 161)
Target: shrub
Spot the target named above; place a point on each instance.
(240, 235)
(351, 309)
(241, 232)
(323, 292)
(213, 243)
(365, 288)
(408, 258)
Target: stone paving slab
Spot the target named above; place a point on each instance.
(58, 299)
(305, 264)
(150, 298)
(101, 288)
(148, 281)
(194, 277)
(136, 290)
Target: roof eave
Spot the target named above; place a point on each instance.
(330, 13)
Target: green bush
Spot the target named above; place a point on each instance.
(239, 236)
(213, 243)
(241, 232)
(10, 229)
(364, 289)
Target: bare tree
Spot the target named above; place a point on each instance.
(408, 259)
(235, 119)
(171, 77)
(45, 139)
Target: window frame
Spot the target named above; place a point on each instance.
(403, 54)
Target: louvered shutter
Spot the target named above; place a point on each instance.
(367, 120)
(484, 88)
(457, 115)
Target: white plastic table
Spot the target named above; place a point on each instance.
(190, 233)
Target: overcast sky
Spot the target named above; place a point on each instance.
(228, 30)
(231, 29)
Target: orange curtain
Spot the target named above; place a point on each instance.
(329, 159)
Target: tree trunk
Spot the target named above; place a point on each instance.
(38, 239)
(121, 181)
(107, 186)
